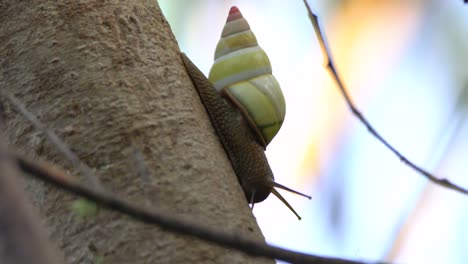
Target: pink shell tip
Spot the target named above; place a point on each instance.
(233, 10)
(234, 14)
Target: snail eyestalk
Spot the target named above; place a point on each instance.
(252, 199)
(277, 194)
(275, 184)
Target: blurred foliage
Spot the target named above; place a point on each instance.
(85, 208)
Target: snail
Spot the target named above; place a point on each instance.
(245, 105)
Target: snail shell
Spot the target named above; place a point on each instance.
(242, 73)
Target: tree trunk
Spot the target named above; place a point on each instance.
(21, 237)
(107, 77)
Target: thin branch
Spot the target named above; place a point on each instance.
(55, 140)
(332, 69)
(22, 238)
(161, 218)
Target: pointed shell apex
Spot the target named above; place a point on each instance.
(234, 14)
(233, 10)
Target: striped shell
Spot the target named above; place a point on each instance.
(242, 73)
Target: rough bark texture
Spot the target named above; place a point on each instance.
(21, 237)
(107, 77)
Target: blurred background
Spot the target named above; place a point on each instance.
(405, 66)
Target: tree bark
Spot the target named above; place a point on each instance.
(107, 77)
(21, 237)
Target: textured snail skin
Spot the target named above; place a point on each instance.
(245, 153)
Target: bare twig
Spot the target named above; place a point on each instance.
(332, 69)
(55, 140)
(165, 220)
(22, 238)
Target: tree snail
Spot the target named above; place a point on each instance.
(250, 110)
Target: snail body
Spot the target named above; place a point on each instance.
(235, 124)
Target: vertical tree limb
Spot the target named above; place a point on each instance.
(107, 77)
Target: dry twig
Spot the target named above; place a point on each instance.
(22, 238)
(332, 69)
(55, 140)
(58, 178)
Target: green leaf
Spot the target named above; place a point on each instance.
(85, 208)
